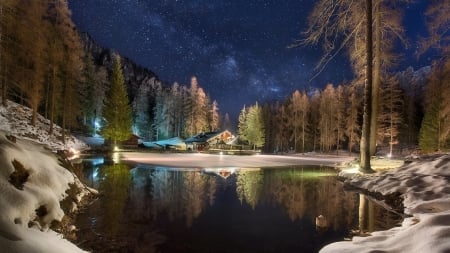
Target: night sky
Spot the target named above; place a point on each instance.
(237, 49)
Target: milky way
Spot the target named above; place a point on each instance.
(237, 49)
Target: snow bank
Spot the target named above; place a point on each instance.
(32, 184)
(15, 120)
(425, 187)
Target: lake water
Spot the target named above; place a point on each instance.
(159, 209)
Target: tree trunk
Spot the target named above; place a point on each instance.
(52, 101)
(376, 81)
(365, 138)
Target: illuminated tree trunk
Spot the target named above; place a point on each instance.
(365, 138)
(376, 81)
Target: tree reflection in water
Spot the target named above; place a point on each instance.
(114, 185)
(248, 186)
(201, 210)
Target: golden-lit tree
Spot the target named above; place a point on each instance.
(353, 21)
(390, 116)
(298, 111)
(328, 120)
(352, 126)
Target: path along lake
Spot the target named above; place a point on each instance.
(143, 208)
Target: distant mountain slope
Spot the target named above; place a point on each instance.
(15, 120)
(135, 76)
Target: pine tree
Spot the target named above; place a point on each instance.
(87, 91)
(242, 124)
(141, 113)
(117, 111)
(214, 116)
(435, 130)
(255, 126)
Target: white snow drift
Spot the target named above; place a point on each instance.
(425, 187)
(44, 188)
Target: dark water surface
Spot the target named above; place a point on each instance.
(159, 209)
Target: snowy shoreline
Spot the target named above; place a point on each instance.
(425, 188)
(192, 160)
(35, 191)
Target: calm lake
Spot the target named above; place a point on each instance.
(157, 209)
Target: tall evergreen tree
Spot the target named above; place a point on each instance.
(242, 124)
(117, 110)
(255, 126)
(435, 130)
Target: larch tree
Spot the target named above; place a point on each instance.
(117, 110)
(390, 114)
(8, 21)
(328, 120)
(304, 110)
(269, 127)
(367, 109)
(314, 119)
(32, 35)
(295, 118)
(352, 21)
(352, 126)
(340, 116)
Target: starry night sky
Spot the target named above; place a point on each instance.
(236, 48)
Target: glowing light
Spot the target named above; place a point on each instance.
(116, 157)
(73, 153)
(116, 149)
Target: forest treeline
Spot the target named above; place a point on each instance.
(45, 65)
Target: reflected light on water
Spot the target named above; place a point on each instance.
(116, 157)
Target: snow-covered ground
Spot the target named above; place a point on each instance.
(32, 184)
(15, 120)
(193, 160)
(425, 187)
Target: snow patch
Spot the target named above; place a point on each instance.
(425, 187)
(15, 120)
(26, 214)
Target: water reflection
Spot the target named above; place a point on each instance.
(225, 209)
(114, 185)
